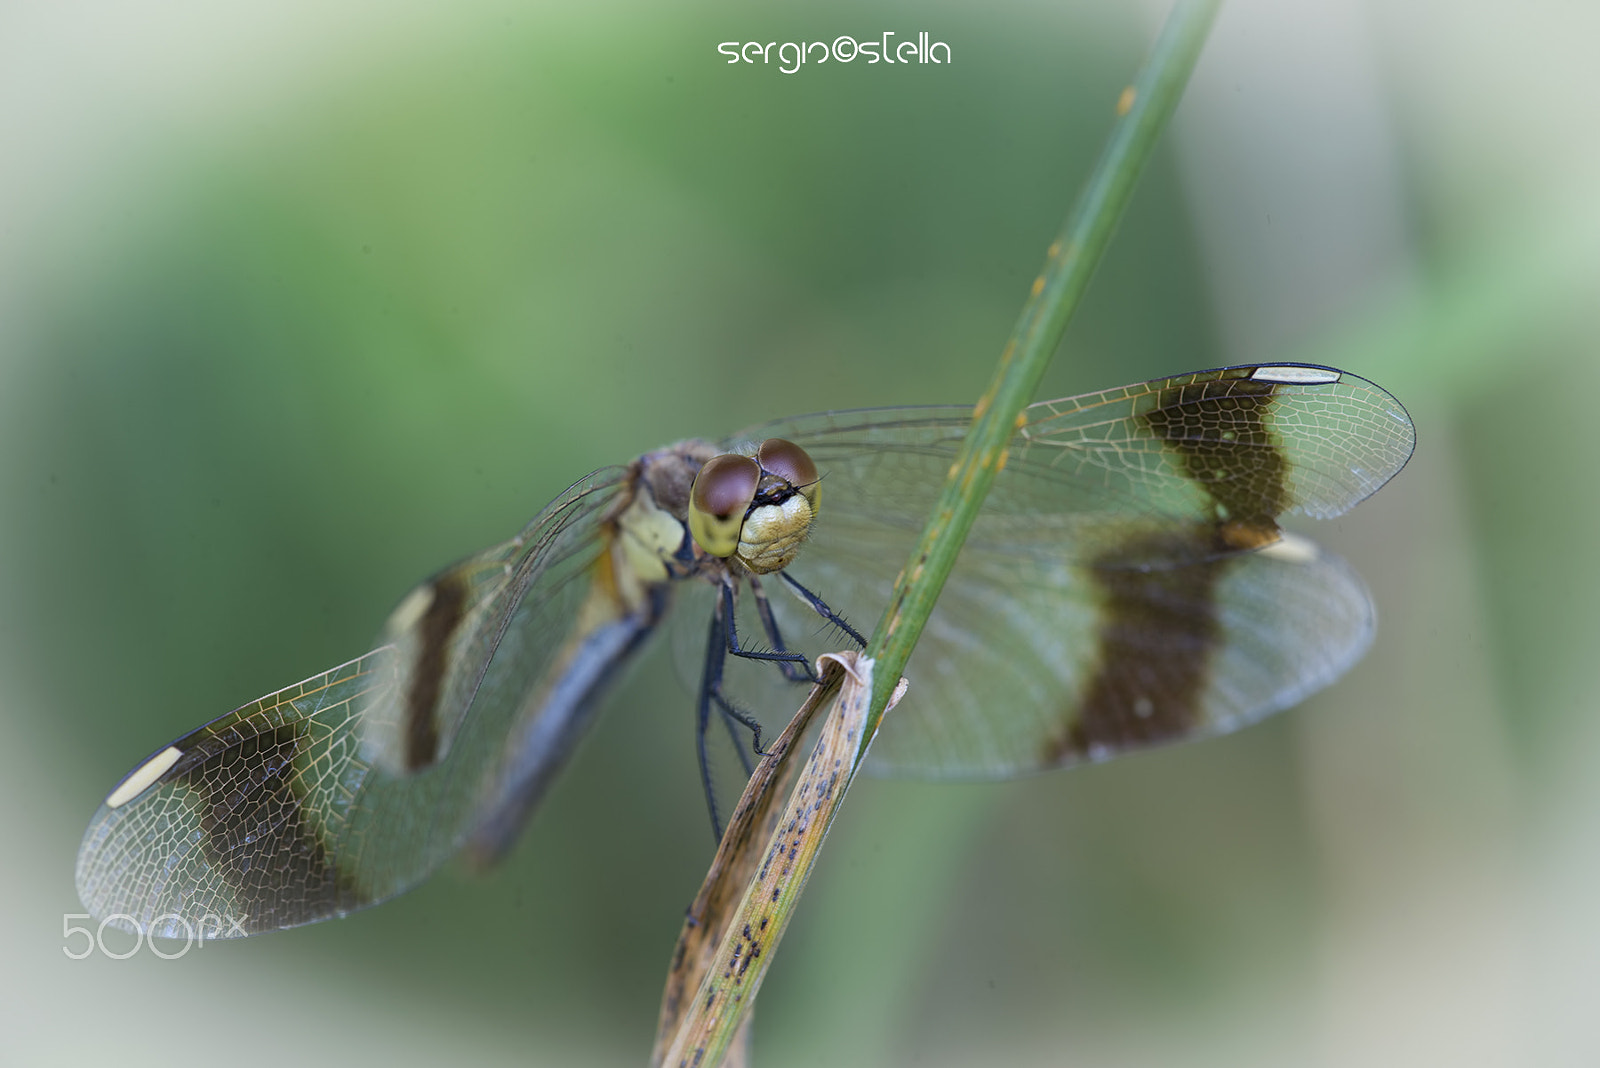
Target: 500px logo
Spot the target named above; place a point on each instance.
(209, 927)
(792, 55)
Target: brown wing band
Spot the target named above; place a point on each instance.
(1158, 630)
(256, 835)
(1219, 428)
(438, 625)
(1158, 626)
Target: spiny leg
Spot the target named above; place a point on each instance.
(718, 642)
(820, 607)
(725, 614)
(723, 640)
(732, 720)
(780, 655)
(793, 672)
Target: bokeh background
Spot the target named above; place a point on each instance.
(300, 301)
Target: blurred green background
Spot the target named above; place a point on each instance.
(299, 303)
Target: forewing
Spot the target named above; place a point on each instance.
(1088, 476)
(304, 805)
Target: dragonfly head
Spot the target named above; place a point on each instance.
(758, 509)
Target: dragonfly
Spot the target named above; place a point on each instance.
(1128, 583)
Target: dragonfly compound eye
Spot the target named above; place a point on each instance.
(791, 463)
(721, 495)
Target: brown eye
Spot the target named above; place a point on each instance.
(725, 485)
(788, 461)
(722, 492)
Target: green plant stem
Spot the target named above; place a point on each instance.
(727, 991)
(1145, 108)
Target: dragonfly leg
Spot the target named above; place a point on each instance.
(792, 671)
(820, 607)
(713, 702)
(710, 678)
(779, 655)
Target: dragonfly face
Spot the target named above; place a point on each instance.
(1127, 584)
(756, 510)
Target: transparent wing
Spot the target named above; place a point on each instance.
(1105, 598)
(1098, 471)
(1028, 665)
(331, 795)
